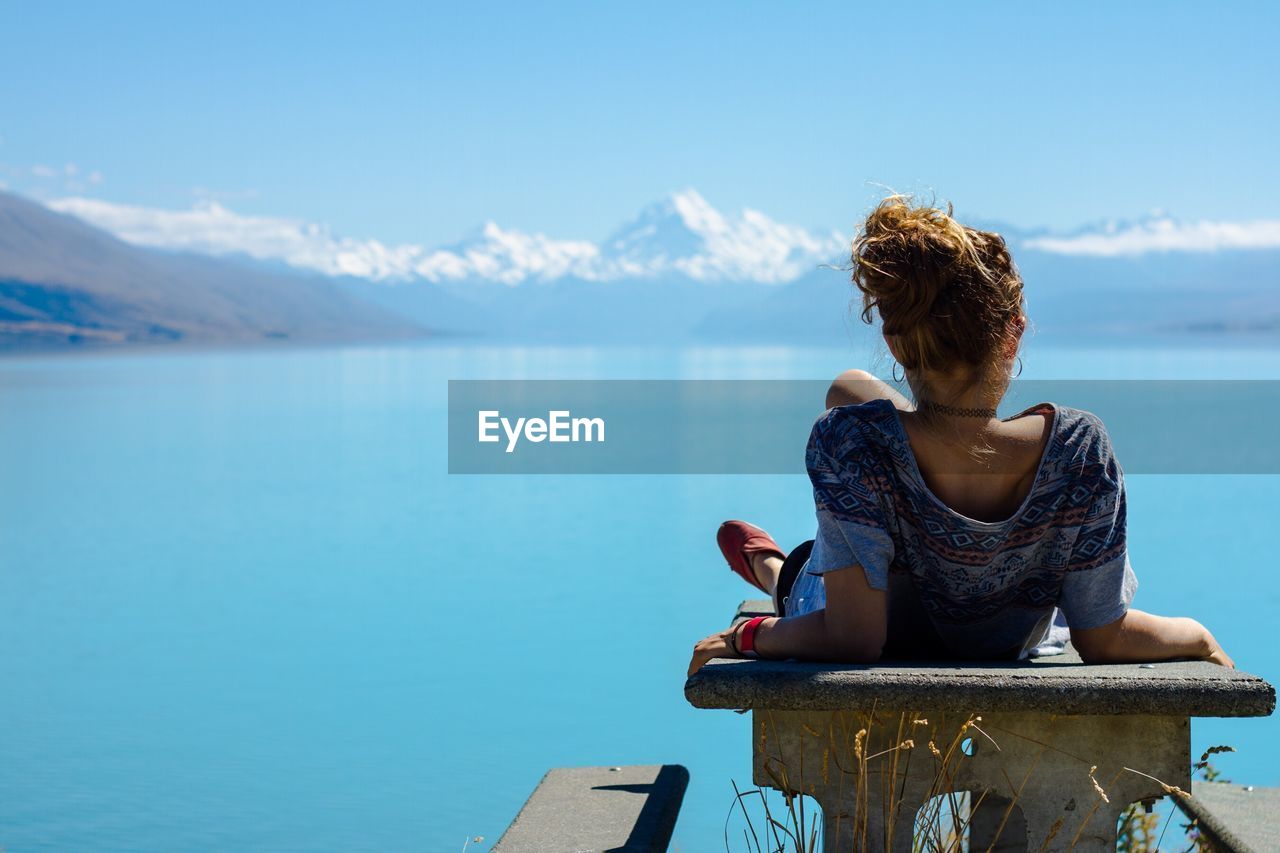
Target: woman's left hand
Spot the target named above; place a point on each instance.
(718, 645)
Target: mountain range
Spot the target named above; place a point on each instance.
(65, 283)
(79, 271)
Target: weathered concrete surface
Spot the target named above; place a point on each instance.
(1059, 685)
(754, 607)
(1196, 689)
(1237, 818)
(583, 809)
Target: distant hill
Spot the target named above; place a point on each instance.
(64, 283)
(681, 272)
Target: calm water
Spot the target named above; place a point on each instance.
(242, 606)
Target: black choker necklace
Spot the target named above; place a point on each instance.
(954, 411)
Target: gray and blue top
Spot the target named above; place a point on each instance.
(959, 587)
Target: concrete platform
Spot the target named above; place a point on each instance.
(1061, 685)
(1236, 818)
(585, 809)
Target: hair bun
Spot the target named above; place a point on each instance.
(946, 290)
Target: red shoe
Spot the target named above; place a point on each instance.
(738, 541)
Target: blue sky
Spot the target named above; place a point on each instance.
(418, 122)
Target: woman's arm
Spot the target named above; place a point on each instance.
(1137, 637)
(851, 629)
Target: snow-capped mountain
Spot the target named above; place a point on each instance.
(1157, 232)
(684, 235)
(508, 257)
(681, 235)
(680, 271)
(683, 270)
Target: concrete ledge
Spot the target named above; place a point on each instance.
(1236, 818)
(582, 809)
(754, 607)
(1055, 685)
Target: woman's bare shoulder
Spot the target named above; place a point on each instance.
(854, 387)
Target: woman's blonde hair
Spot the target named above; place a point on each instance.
(948, 294)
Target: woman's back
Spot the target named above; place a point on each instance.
(981, 469)
(961, 585)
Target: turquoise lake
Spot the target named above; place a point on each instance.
(244, 607)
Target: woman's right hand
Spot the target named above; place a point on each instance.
(719, 645)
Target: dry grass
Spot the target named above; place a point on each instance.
(795, 824)
(871, 750)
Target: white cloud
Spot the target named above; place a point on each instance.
(683, 235)
(690, 238)
(1164, 235)
(210, 228)
(95, 177)
(42, 171)
(511, 257)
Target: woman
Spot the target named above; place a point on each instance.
(944, 531)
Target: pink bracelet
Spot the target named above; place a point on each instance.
(747, 637)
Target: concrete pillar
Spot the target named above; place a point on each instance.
(872, 771)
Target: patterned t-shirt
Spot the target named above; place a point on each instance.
(959, 587)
